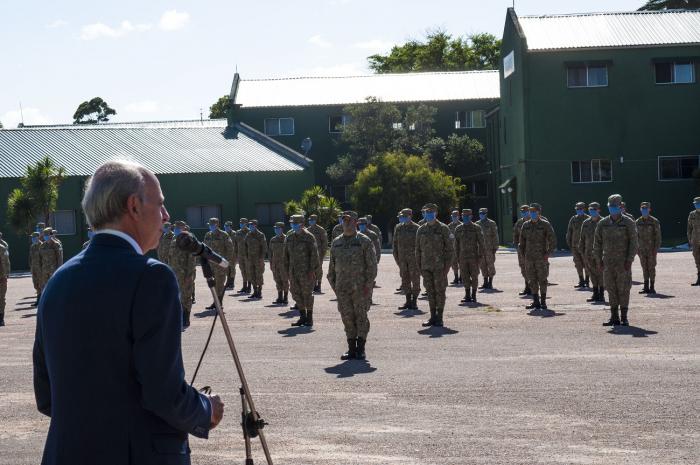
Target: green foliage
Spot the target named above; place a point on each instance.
(440, 52)
(221, 108)
(654, 5)
(459, 154)
(315, 201)
(20, 212)
(93, 112)
(1, 125)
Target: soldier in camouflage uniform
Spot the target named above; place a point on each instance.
(537, 241)
(614, 247)
(220, 243)
(649, 241)
(586, 248)
(404, 251)
(164, 243)
(321, 236)
(183, 266)
(488, 263)
(239, 252)
(625, 212)
(277, 263)
(256, 251)
(4, 274)
(303, 269)
(469, 248)
(373, 227)
(573, 237)
(362, 226)
(454, 216)
(351, 273)
(694, 235)
(35, 264)
(517, 227)
(338, 228)
(50, 255)
(434, 252)
(231, 278)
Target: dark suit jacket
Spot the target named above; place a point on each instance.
(108, 363)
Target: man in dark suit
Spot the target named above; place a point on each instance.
(107, 356)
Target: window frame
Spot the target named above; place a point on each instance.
(52, 222)
(469, 119)
(591, 161)
(202, 216)
(279, 126)
(673, 64)
(486, 186)
(588, 77)
(344, 119)
(658, 168)
(268, 206)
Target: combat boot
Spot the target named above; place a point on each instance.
(414, 302)
(294, 307)
(456, 279)
(360, 352)
(438, 318)
(614, 317)
(407, 304)
(651, 287)
(2, 322)
(318, 287)
(543, 300)
(697, 283)
(260, 292)
(581, 282)
(467, 296)
(279, 298)
(486, 283)
(309, 318)
(601, 294)
(352, 350)
(535, 302)
(474, 295)
(646, 287)
(526, 290)
(594, 297)
(186, 320)
(229, 285)
(587, 280)
(211, 307)
(624, 317)
(431, 320)
(243, 288)
(490, 282)
(284, 298)
(302, 319)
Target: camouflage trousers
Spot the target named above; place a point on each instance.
(593, 271)
(243, 265)
(578, 260)
(321, 255)
(618, 282)
(220, 275)
(279, 274)
(3, 293)
(455, 261)
(648, 261)
(410, 276)
(302, 289)
(435, 282)
(36, 280)
(521, 264)
(232, 271)
(488, 264)
(256, 268)
(537, 273)
(353, 306)
(186, 285)
(696, 255)
(470, 272)
(44, 278)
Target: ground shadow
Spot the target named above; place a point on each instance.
(24, 309)
(410, 312)
(275, 305)
(29, 297)
(659, 296)
(633, 331)
(205, 313)
(437, 331)
(295, 331)
(542, 313)
(350, 368)
(29, 315)
(491, 291)
(250, 299)
(637, 283)
(552, 284)
(289, 313)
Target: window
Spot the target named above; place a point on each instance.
(509, 64)
(63, 221)
(198, 216)
(583, 75)
(588, 171)
(337, 123)
(672, 168)
(479, 189)
(470, 119)
(680, 72)
(279, 126)
(269, 213)
(397, 126)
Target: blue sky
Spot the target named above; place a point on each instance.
(166, 59)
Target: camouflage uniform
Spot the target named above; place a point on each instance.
(404, 251)
(586, 248)
(469, 249)
(4, 274)
(375, 229)
(51, 257)
(303, 269)
(164, 244)
(231, 278)
(35, 261)
(455, 262)
(434, 252)
(183, 266)
(220, 243)
(649, 241)
(573, 237)
(373, 237)
(277, 264)
(694, 235)
(321, 236)
(614, 247)
(337, 231)
(488, 262)
(256, 250)
(537, 242)
(351, 273)
(239, 251)
(517, 227)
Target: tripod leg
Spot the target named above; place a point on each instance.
(246, 437)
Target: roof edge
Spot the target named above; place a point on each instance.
(292, 78)
(272, 144)
(612, 13)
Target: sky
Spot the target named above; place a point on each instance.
(167, 59)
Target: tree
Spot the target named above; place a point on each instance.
(1, 125)
(458, 155)
(93, 112)
(655, 5)
(440, 52)
(221, 108)
(315, 201)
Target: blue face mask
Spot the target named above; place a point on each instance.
(429, 216)
(252, 227)
(455, 218)
(483, 216)
(91, 234)
(278, 230)
(35, 240)
(312, 222)
(534, 215)
(46, 238)
(227, 228)
(166, 229)
(362, 227)
(697, 206)
(579, 211)
(340, 221)
(296, 227)
(645, 211)
(524, 214)
(466, 218)
(614, 210)
(212, 227)
(177, 231)
(241, 225)
(593, 212)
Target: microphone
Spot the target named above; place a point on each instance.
(188, 243)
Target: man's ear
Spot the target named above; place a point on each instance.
(133, 205)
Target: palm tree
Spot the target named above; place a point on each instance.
(655, 5)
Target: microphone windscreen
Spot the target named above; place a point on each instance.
(187, 242)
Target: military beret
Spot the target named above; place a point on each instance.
(279, 224)
(536, 206)
(313, 217)
(362, 220)
(524, 207)
(696, 200)
(180, 223)
(369, 217)
(243, 220)
(466, 211)
(255, 222)
(615, 199)
(228, 223)
(580, 204)
(213, 220)
(47, 230)
(594, 205)
(406, 211)
(53, 231)
(430, 206)
(483, 210)
(297, 219)
(645, 205)
(41, 225)
(455, 210)
(350, 213)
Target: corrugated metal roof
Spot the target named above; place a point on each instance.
(600, 30)
(407, 87)
(166, 147)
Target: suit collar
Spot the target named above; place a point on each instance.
(108, 239)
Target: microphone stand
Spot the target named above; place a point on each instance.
(251, 423)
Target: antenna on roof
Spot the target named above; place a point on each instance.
(201, 115)
(21, 113)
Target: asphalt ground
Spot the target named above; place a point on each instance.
(496, 385)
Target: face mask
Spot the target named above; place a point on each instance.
(534, 215)
(312, 222)
(429, 216)
(278, 231)
(91, 234)
(363, 227)
(614, 210)
(35, 240)
(455, 218)
(252, 227)
(645, 211)
(227, 228)
(483, 216)
(241, 225)
(697, 206)
(166, 229)
(296, 227)
(46, 238)
(524, 214)
(340, 221)
(593, 212)
(579, 212)
(466, 218)
(177, 231)
(212, 227)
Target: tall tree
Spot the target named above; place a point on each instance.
(221, 108)
(315, 201)
(93, 112)
(654, 5)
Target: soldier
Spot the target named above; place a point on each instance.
(363, 227)
(614, 247)
(434, 252)
(40, 228)
(277, 264)
(573, 237)
(256, 250)
(4, 274)
(241, 255)
(351, 273)
(373, 227)
(231, 278)
(694, 235)
(321, 236)
(488, 263)
(183, 266)
(537, 241)
(649, 240)
(625, 212)
(586, 248)
(338, 228)
(453, 226)
(35, 265)
(220, 243)
(50, 255)
(469, 248)
(90, 234)
(517, 227)
(164, 243)
(404, 251)
(303, 269)
(54, 234)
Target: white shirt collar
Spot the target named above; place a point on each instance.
(124, 236)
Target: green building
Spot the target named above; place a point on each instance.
(206, 169)
(595, 104)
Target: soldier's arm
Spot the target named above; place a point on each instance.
(657, 238)
(598, 243)
(634, 241)
(331, 269)
(516, 234)
(496, 241)
(228, 248)
(317, 268)
(458, 248)
(370, 265)
(59, 256)
(264, 246)
(690, 227)
(522, 244)
(417, 250)
(581, 242)
(448, 249)
(551, 240)
(324, 243)
(570, 232)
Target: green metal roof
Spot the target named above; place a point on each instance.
(165, 147)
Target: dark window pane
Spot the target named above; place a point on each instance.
(575, 171)
(683, 73)
(585, 171)
(664, 73)
(461, 120)
(669, 168)
(687, 166)
(576, 76)
(480, 189)
(335, 123)
(286, 126)
(605, 170)
(272, 127)
(597, 76)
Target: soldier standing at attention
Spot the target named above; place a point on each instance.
(373, 227)
(220, 243)
(362, 226)
(469, 248)
(694, 235)
(256, 250)
(404, 250)
(321, 236)
(183, 266)
(303, 269)
(231, 278)
(35, 265)
(573, 237)
(614, 247)
(241, 255)
(488, 263)
(625, 212)
(351, 273)
(537, 241)
(586, 249)
(4, 274)
(517, 227)
(434, 252)
(164, 243)
(454, 216)
(649, 240)
(51, 257)
(277, 263)
(338, 228)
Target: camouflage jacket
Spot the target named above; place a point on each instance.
(239, 244)
(694, 228)
(517, 227)
(453, 227)
(434, 250)
(353, 263)
(648, 234)
(537, 239)
(375, 241)
(276, 248)
(255, 246)
(321, 236)
(404, 241)
(585, 244)
(164, 246)
(182, 263)
(373, 227)
(615, 240)
(34, 258)
(51, 254)
(234, 254)
(337, 231)
(301, 254)
(220, 242)
(4, 262)
(490, 229)
(469, 241)
(573, 231)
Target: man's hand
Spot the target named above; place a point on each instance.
(217, 411)
(628, 266)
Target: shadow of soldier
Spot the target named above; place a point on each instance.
(295, 331)
(409, 313)
(350, 368)
(437, 331)
(633, 331)
(289, 314)
(542, 313)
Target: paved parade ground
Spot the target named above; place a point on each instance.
(494, 386)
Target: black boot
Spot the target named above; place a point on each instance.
(302, 319)
(474, 295)
(467, 296)
(414, 302)
(601, 294)
(646, 287)
(294, 307)
(309, 318)
(624, 317)
(535, 302)
(486, 283)
(526, 289)
(581, 282)
(490, 282)
(259, 292)
(352, 350)
(543, 301)
(279, 298)
(406, 304)
(594, 297)
(2, 321)
(438, 318)
(360, 352)
(456, 279)
(284, 298)
(211, 307)
(318, 287)
(651, 287)
(697, 283)
(431, 320)
(588, 281)
(614, 317)
(185, 320)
